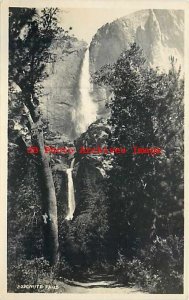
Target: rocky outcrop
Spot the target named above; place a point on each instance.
(160, 33)
(97, 135)
(90, 169)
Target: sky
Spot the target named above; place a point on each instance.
(86, 21)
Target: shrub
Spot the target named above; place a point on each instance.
(27, 272)
(157, 269)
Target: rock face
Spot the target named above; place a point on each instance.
(60, 100)
(97, 135)
(92, 166)
(160, 33)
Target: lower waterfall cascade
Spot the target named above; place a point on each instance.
(71, 194)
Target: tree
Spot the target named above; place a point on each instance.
(30, 36)
(146, 110)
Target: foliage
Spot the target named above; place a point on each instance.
(63, 270)
(157, 269)
(24, 212)
(145, 192)
(28, 272)
(30, 37)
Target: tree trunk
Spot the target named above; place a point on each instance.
(49, 203)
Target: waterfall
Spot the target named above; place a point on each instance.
(88, 108)
(71, 195)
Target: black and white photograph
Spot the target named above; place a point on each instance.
(95, 148)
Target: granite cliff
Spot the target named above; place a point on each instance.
(160, 33)
(60, 100)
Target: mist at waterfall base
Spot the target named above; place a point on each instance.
(88, 109)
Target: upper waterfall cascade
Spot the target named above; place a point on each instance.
(88, 108)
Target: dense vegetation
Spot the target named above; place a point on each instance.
(129, 223)
(146, 192)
